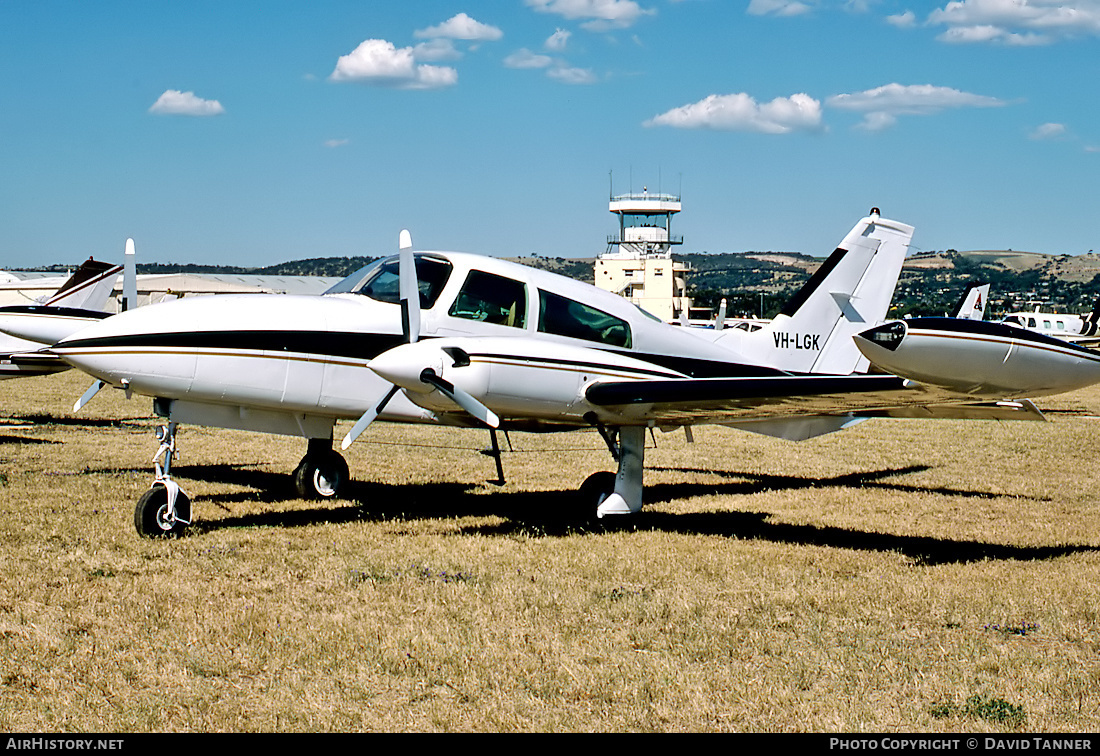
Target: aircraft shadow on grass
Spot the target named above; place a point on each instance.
(557, 513)
(41, 419)
(23, 440)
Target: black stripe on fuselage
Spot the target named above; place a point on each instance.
(995, 330)
(694, 367)
(67, 312)
(364, 346)
(367, 346)
(557, 362)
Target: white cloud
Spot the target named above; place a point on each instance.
(524, 58)
(988, 33)
(601, 15)
(777, 8)
(175, 102)
(557, 41)
(569, 75)
(1049, 131)
(1016, 22)
(881, 106)
(904, 20)
(461, 26)
(740, 112)
(333, 143)
(379, 63)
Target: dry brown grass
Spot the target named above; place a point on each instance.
(902, 575)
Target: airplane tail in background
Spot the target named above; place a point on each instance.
(850, 292)
(88, 288)
(971, 305)
(1091, 323)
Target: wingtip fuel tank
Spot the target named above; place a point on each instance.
(979, 358)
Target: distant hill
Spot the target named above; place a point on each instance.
(930, 282)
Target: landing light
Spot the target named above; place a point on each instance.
(887, 336)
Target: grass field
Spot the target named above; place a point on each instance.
(899, 576)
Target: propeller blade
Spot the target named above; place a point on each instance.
(461, 398)
(87, 396)
(129, 277)
(367, 418)
(408, 289)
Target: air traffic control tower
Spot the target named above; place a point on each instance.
(638, 263)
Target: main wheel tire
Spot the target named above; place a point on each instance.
(596, 487)
(321, 476)
(151, 514)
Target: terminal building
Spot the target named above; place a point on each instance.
(638, 263)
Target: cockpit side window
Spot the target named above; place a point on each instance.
(566, 317)
(491, 299)
(431, 273)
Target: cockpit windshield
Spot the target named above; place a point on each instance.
(379, 280)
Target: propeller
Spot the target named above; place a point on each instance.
(407, 366)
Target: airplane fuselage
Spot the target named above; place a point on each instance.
(240, 360)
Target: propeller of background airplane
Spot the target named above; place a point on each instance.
(405, 366)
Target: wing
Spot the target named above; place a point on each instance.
(733, 400)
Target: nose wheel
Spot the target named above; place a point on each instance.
(154, 518)
(164, 511)
(322, 473)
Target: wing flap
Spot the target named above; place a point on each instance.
(717, 400)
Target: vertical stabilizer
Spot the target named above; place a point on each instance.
(850, 292)
(971, 305)
(88, 288)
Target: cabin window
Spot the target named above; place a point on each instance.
(381, 283)
(1031, 322)
(1046, 324)
(565, 317)
(1061, 326)
(491, 299)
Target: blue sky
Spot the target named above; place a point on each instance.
(251, 132)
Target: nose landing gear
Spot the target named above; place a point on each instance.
(164, 511)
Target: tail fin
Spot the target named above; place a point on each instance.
(88, 288)
(720, 318)
(1090, 324)
(971, 305)
(849, 292)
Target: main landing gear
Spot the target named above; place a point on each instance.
(164, 510)
(620, 492)
(322, 473)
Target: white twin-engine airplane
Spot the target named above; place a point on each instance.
(463, 340)
(78, 300)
